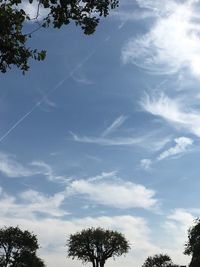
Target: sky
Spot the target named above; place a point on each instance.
(105, 132)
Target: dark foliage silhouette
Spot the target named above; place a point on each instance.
(96, 245)
(159, 260)
(192, 247)
(14, 48)
(18, 248)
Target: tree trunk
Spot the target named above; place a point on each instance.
(102, 262)
(97, 263)
(195, 262)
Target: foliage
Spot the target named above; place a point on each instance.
(18, 248)
(158, 260)
(14, 49)
(96, 245)
(192, 247)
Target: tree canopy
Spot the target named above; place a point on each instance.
(159, 260)
(96, 245)
(192, 247)
(14, 49)
(18, 248)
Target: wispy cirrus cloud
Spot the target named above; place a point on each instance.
(12, 168)
(151, 141)
(181, 145)
(47, 104)
(104, 138)
(172, 43)
(173, 111)
(146, 164)
(47, 170)
(103, 175)
(82, 79)
(105, 141)
(114, 125)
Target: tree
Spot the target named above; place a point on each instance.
(96, 245)
(14, 49)
(192, 247)
(18, 248)
(159, 260)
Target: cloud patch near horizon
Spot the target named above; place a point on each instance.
(30, 203)
(52, 234)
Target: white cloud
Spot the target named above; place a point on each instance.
(116, 124)
(10, 167)
(46, 170)
(45, 103)
(172, 43)
(115, 193)
(177, 224)
(129, 15)
(31, 202)
(151, 141)
(176, 228)
(172, 110)
(181, 144)
(121, 141)
(38, 202)
(32, 10)
(80, 78)
(146, 163)
(103, 175)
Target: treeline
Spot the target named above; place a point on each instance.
(19, 248)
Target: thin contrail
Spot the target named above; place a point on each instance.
(45, 96)
(17, 123)
(26, 115)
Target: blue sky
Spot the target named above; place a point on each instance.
(105, 132)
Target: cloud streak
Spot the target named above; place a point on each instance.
(146, 164)
(104, 141)
(172, 111)
(181, 145)
(12, 168)
(115, 125)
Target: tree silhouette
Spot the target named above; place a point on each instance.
(192, 247)
(57, 13)
(159, 260)
(18, 248)
(96, 245)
